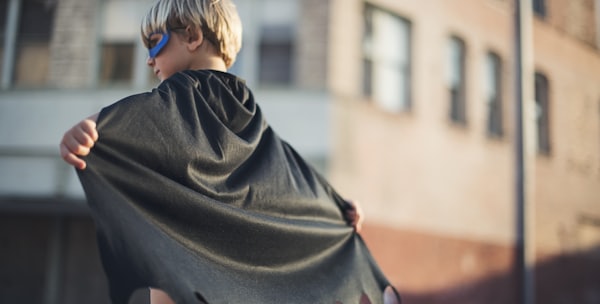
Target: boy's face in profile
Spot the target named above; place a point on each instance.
(169, 53)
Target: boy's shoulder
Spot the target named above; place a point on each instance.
(213, 88)
(205, 76)
(206, 82)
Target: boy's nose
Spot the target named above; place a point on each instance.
(150, 61)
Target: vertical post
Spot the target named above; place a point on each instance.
(55, 262)
(525, 153)
(10, 43)
(597, 9)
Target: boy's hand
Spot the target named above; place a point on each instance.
(78, 141)
(354, 215)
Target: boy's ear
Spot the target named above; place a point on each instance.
(194, 37)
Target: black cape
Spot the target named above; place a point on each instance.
(192, 192)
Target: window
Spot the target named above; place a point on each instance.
(493, 94)
(276, 53)
(32, 50)
(387, 58)
(269, 54)
(539, 7)
(456, 80)
(116, 63)
(119, 36)
(276, 41)
(542, 113)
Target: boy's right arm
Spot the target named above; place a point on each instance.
(78, 141)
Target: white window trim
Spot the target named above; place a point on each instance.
(385, 68)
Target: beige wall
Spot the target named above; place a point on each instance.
(412, 168)
(568, 181)
(417, 172)
(575, 18)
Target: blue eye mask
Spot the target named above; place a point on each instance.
(153, 51)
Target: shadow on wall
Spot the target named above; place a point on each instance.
(564, 279)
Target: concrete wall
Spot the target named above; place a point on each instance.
(73, 44)
(32, 124)
(313, 32)
(47, 238)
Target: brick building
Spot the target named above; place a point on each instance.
(423, 115)
(408, 106)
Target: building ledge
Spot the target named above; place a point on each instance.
(56, 206)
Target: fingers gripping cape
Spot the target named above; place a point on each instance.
(192, 192)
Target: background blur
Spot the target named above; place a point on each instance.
(407, 106)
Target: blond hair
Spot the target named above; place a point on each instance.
(218, 20)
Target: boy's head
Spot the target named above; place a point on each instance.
(217, 19)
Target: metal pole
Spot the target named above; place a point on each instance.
(525, 153)
(10, 43)
(597, 8)
(55, 262)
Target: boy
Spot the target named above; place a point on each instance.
(188, 182)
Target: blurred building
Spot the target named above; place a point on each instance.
(423, 99)
(408, 106)
(62, 60)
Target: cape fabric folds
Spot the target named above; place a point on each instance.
(192, 192)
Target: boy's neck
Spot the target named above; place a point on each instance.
(207, 57)
(209, 63)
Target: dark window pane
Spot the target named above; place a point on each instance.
(539, 7)
(456, 97)
(276, 51)
(37, 19)
(494, 95)
(457, 81)
(543, 113)
(275, 63)
(33, 42)
(116, 63)
(3, 12)
(367, 78)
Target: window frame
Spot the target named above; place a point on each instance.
(457, 93)
(19, 48)
(494, 117)
(107, 72)
(539, 8)
(542, 102)
(371, 65)
(139, 75)
(280, 38)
